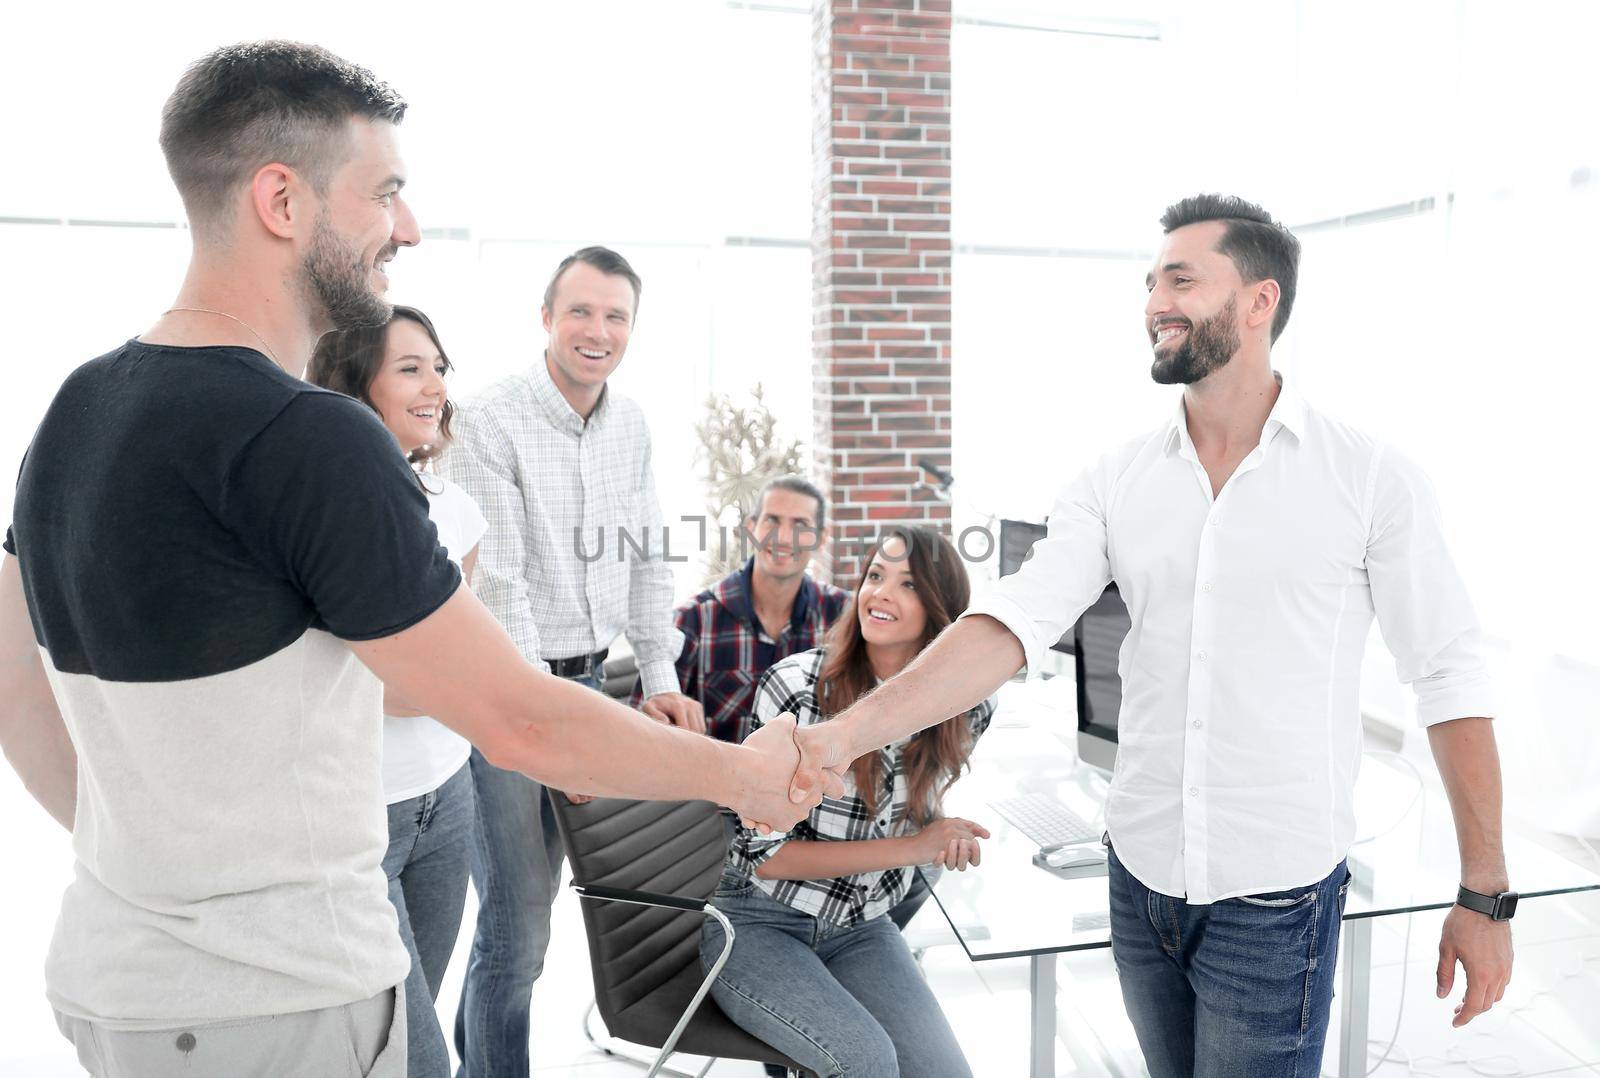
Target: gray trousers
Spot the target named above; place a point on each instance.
(359, 1040)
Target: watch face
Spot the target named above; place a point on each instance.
(1506, 905)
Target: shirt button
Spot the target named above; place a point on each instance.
(1202, 656)
(1194, 791)
(1198, 724)
(1206, 586)
(1217, 519)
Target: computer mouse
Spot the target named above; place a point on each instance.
(1074, 857)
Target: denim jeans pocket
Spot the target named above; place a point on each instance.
(732, 885)
(1280, 900)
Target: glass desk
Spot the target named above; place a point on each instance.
(1404, 861)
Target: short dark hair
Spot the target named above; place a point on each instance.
(248, 105)
(1260, 247)
(348, 360)
(797, 484)
(603, 259)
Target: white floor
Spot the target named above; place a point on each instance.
(1549, 1022)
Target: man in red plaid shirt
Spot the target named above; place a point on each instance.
(767, 610)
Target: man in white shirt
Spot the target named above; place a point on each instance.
(573, 558)
(1253, 539)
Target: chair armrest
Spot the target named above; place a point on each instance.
(689, 905)
(638, 898)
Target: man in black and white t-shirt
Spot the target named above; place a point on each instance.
(202, 547)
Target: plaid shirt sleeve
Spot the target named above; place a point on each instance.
(981, 716)
(688, 622)
(483, 462)
(834, 602)
(655, 640)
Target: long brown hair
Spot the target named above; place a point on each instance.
(933, 758)
(349, 360)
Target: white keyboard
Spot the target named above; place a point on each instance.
(1045, 820)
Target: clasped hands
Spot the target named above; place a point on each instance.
(785, 773)
(792, 769)
(951, 842)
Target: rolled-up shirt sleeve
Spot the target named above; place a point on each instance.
(1067, 572)
(1422, 605)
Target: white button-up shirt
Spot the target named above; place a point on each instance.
(575, 554)
(1239, 736)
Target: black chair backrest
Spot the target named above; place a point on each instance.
(671, 847)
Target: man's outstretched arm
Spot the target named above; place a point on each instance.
(459, 666)
(999, 634)
(962, 667)
(31, 731)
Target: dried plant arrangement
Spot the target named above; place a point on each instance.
(740, 449)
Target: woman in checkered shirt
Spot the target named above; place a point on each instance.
(818, 970)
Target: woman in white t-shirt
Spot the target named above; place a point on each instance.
(398, 370)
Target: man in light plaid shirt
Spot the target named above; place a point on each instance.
(560, 466)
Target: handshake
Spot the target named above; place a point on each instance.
(787, 771)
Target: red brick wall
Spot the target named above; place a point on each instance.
(880, 244)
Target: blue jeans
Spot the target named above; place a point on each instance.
(838, 1001)
(901, 915)
(1237, 987)
(516, 866)
(430, 846)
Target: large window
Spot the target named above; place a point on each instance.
(1438, 158)
(677, 133)
(1440, 163)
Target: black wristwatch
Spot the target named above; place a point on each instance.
(1500, 907)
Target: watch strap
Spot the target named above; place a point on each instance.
(1498, 907)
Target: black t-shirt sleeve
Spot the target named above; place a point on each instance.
(11, 539)
(323, 497)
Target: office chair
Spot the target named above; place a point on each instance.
(645, 870)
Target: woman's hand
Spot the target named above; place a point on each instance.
(950, 843)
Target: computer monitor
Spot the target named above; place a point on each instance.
(1016, 543)
(1098, 637)
(1095, 644)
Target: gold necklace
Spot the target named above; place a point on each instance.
(225, 314)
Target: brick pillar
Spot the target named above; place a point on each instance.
(880, 245)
